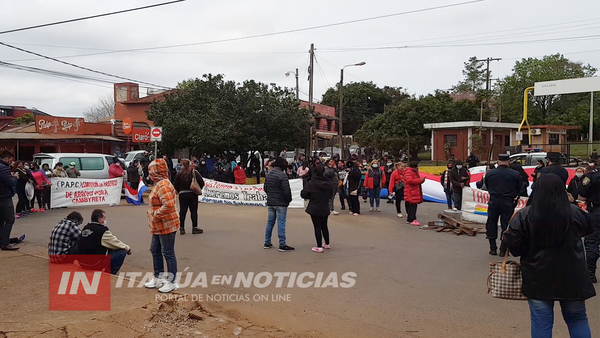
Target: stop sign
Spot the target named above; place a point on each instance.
(156, 134)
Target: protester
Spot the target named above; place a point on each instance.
(46, 193)
(7, 209)
(133, 175)
(96, 240)
(524, 177)
(591, 193)
(42, 181)
(396, 187)
(539, 165)
(239, 174)
(447, 184)
(375, 179)
(279, 196)
(187, 198)
(363, 172)
(547, 236)
(164, 223)
(342, 174)
(576, 185)
(554, 167)
(413, 192)
(23, 177)
(304, 173)
(472, 160)
(389, 169)
(354, 186)
(318, 192)
(115, 170)
(481, 183)
(63, 239)
(72, 172)
(59, 171)
(459, 178)
(145, 162)
(504, 185)
(331, 174)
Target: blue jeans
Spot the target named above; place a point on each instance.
(279, 214)
(542, 318)
(163, 247)
(374, 194)
(117, 257)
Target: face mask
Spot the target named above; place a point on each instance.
(538, 166)
(459, 167)
(26, 167)
(449, 168)
(375, 165)
(579, 175)
(365, 163)
(105, 222)
(389, 163)
(118, 164)
(203, 163)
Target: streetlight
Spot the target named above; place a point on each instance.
(296, 74)
(340, 132)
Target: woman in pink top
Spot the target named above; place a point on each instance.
(42, 181)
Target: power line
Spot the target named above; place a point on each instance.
(80, 67)
(89, 17)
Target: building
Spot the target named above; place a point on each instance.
(548, 137)
(128, 103)
(9, 113)
(457, 138)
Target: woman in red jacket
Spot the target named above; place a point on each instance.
(413, 194)
(397, 186)
(374, 181)
(239, 174)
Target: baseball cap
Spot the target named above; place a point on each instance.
(72, 164)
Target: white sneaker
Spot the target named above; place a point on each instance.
(155, 283)
(370, 209)
(335, 213)
(399, 215)
(454, 209)
(377, 210)
(168, 287)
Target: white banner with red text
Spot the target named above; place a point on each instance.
(72, 192)
(245, 194)
(475, 204)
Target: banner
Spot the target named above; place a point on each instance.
(475, 204)
(73, 192)
(243, 194)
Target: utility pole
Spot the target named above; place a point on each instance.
(297, 88)
(310, 99)
(487, 88)
(340, 116)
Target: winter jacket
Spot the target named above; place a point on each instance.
(369, 179)
(552, 273)
(354, 178)
(318, 192)
(396, 177)
(413, 193)
(277, 188)
(162, 214)
(445, 181)
(575, 186)
(456, 178)
(133, 174)
(183, 181)
(115, 171)
(240, 175)
(332, 175)
(7, 181)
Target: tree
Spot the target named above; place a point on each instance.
(362, 102)
(216, 116)
(103, 109)
(23, 120)
(475, 77)
(541, 109)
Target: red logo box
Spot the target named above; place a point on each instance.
(73, 288)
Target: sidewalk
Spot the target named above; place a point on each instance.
(134, 311)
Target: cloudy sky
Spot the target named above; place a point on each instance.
(417, 45)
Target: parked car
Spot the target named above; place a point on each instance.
(90, 165)
(529, 159)
(133, 155)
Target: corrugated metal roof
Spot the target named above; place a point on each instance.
(36, 136)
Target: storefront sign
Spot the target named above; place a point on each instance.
(127, 125)
(75, 192)
(59, 125)
(240, 194)
(140, 135)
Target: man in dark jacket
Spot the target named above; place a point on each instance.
(472, 160)
(459, 178)
(7, 209)
(591, 192)
(447, 184)
(554, 167)
(145, 162)
(133, 175)
(516, 166)
(279, 196)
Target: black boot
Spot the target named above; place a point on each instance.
(493, 247)
(502, 249)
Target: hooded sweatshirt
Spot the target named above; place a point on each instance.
(318, 192)
(162, 214)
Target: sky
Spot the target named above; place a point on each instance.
(417, 45)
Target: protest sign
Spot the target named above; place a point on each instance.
(72, 192)
(245, 194)
(475, 204)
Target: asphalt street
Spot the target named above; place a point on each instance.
(409, 282)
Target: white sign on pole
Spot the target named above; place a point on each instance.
(569, 86)
(519, 136)
(156, 134)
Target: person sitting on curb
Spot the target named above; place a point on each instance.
(96, 240)
(64, 237)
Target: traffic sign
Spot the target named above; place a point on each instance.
(156, 134)
(519, 136)
(127, 126)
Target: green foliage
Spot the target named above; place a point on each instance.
(23, 120)
(542, 109)
(475, 77)
(217, 116)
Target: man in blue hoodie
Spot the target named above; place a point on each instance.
(279, 196)
(7, 209)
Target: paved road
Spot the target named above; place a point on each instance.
(410, 282)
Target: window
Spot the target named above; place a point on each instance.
(450, 140)
(521, 159)
(6, 112)
(507, 141)
(329, 123)
(553, 138)
(67, 160)
(92, 163)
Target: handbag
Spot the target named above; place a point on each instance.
(354, 192)
(399, 186)
(195, 187)
(505, 280)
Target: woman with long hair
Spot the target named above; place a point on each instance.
(318, 192)
(374, 180)
(413, 193)
(397, 186)
(187, 198)
(354, 179)
(23, 177)
(547, 235)
(42, 181)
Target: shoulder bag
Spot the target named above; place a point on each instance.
(195, 187)
(505, 280)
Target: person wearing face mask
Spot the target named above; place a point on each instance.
(590, 192)
(397, 187)
(342, 173)
(389, 169)
(575, 185)
(363, 172)
(413, 192)
(23, 175)
(115, 170)
(331, 174)
(375, 180)
(459, 178)
(59, 170)
(539, 165)
(447, 184)
(96, 241)
(72, 172)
